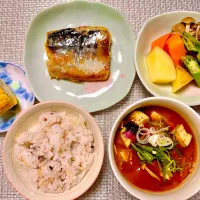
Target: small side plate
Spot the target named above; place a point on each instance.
(15, 78)
(152, 29)
(93, 96)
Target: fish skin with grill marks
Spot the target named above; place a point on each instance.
(79, 54)
(69, 38)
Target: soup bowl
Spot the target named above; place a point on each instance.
(192, 184)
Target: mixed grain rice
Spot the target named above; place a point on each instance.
(59, 153)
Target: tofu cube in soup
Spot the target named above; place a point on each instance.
(138, 117)
(156, 117)
(182, 136)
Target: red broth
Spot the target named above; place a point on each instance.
(140, 178)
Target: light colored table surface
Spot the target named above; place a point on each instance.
(15, 15)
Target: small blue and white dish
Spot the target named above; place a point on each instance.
(15, 78)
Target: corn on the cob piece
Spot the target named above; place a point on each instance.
(7, 98)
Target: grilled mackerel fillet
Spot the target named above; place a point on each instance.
(79, 54)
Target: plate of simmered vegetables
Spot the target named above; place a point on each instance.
(169, 62)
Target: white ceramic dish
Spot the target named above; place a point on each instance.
(192, 184)
(93, 96)
(27, 119)
(152, 29)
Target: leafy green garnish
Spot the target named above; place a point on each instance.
(145, 148)
(166, 164)
(144, 155)
(140, 156)
(159, 166)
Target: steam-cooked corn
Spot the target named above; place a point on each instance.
(7, 98)
(4, 99)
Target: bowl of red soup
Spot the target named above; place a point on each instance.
(153, 149)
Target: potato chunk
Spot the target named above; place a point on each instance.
(160, 66)
(182, 79)
(182, 136)
(138, 117)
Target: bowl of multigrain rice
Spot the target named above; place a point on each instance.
(54, 150)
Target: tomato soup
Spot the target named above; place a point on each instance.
(157, 174)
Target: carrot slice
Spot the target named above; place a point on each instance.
(174, 46)
(160, 42)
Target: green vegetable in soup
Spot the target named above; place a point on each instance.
(166, 164)
(146, 148)
(143, 155)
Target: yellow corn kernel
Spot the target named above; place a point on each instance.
(7, 98)
(1, 91)
(4, 100)
(2, 105)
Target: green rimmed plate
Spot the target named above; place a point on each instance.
(92, 96)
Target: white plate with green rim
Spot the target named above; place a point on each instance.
(152, 29)
(92, 96)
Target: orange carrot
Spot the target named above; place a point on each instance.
(175, 48)
(160, 42)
